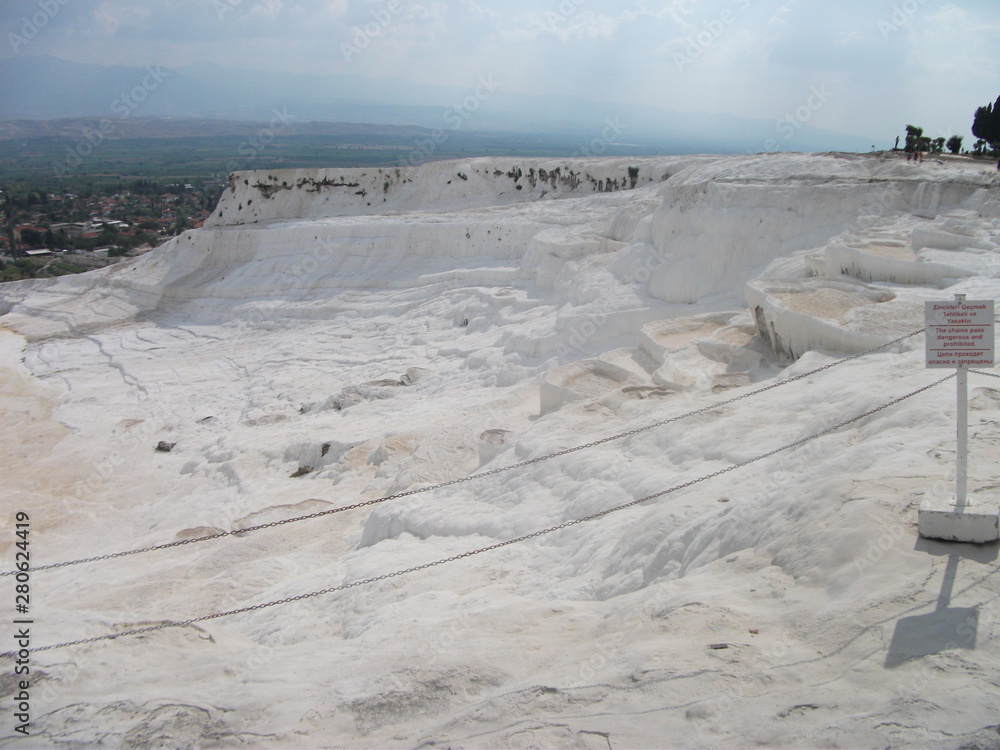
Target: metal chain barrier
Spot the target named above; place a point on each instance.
(987, 374)
(471, 477)
(498, 545)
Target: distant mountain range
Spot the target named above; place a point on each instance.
(75, 128)
(48, 88)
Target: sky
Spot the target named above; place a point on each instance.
(864, 67)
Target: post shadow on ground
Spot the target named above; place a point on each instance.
(947, 627)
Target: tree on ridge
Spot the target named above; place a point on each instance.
(986, 124)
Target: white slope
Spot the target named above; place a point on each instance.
(306, 350)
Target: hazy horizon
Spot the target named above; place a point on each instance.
(866, 71)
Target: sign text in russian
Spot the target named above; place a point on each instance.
(959, 333)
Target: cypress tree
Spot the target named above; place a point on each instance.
(986, 124)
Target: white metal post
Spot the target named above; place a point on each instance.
(960, 335)
(962, 452)
(963, 435)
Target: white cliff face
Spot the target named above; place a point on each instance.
(333, 336)
(432, 187)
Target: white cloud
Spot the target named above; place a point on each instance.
(577, 26)
(479, 10)
(677, 10)
(109, 17)
(267, 9)
(950, 42)
(848, 39)
(334, 8)
(936, 63)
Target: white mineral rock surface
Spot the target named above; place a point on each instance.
(335, 336)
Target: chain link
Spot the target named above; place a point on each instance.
(987, 374)
(498, 545)
(471, 477)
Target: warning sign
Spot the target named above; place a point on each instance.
(959, 333)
